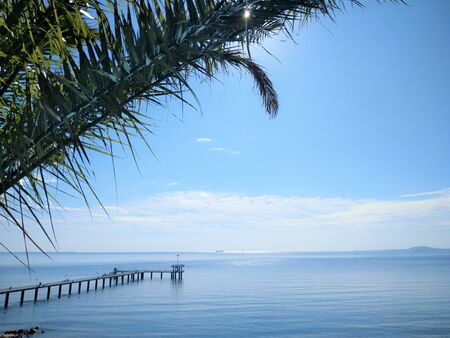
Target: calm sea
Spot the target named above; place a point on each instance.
(241, 295)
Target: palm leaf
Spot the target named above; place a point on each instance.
(71, 84)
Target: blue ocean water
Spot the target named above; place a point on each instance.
(241, 295)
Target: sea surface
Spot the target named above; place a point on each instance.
(359, 294)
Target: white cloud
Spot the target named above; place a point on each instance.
(197, 209)
(205, 220)
(225, 150)
(203, 140)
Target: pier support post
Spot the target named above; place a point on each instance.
(6, 299)
(48, 292)
(161, 274)
(122, 278)
(22, 296)
(87, 288)
(128, 278)
(70, 289)
(103, 283)
(177, 271)
(36, 294)
(59, 290)
(96, 284)
(79, 287)
(151, 275)
(110, 281)
(117, 280)
(142, 275)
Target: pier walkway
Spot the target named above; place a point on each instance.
(110, 279)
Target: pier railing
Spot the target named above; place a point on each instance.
(96, 282)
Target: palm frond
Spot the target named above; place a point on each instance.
(73, 74)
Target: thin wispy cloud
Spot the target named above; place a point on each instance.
(445, 191)
(225, 150)
(216, 149)
(63, 208)
(203, 140)
(114, 208)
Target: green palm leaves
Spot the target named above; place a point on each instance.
(72, 75)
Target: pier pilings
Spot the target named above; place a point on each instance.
(175, 274)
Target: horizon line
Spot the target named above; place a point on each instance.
(420, 247)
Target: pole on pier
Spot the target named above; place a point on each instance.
(36, 294)
(48, 292)
(70, 289)
(6, 299)
(59, 290)
(22, 296)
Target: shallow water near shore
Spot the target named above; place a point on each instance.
(240, 295)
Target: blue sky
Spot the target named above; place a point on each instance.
(358, 157)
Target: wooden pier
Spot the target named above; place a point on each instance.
(109, 279)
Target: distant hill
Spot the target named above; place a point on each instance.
(416, 250)
(426, 249)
